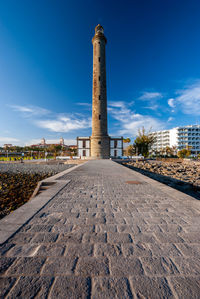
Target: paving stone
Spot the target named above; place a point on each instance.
(107, 249)
(71, 287)
(189, 249)
(188, 265)
(45, 238)
(5, 247)
(62, 228)
(26, 266)
(92, 266)
(165, 249)
(95, 220)
(84, 229)
(5, 263)
(80, 250)
(57, 266)
(158, 266)
(124, 228)
(95, 238)
(70, 237)
(105, 228)
(24, 250)
(6, 284)
(104, 287)
(119, 238)
(136, 250)
(23, 238)
(169, 238)
(191, 237)
(37, 228)
(186, 287)
(155, 288)
(51, 249)
(145, 238)
(121, 266)
(31, 287)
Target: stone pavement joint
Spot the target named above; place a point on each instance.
(100, 237)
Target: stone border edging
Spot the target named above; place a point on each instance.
(11, 223)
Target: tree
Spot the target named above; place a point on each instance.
(184, 153)
(129, 150)
(169, 151)
(143, 142)
(127, 140)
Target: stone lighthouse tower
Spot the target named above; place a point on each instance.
(100, 141)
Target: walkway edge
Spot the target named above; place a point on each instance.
(11, 223)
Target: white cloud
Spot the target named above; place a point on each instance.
(64, 124)
(170, 119)
(189, 99)
(130, 122)
(84, 104)
(30, 110)
(150, 95)
(8, 140)
(152, 107)
(171, 103)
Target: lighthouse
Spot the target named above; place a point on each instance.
(100, 141)
(99, 145)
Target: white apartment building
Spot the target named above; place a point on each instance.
(179, 137)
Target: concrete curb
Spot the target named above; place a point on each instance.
(10, 224)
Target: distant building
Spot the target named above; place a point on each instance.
(43, 144)
(7, 145)
(179, 137)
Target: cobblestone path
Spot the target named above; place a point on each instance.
(102, 237)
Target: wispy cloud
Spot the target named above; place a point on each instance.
(171, 103)
(188, 99)
(28, 111)
(84, 104)
(130, 121)
(170, 119)
(64, 124)
(150, 95)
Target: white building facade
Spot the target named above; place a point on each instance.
(84, 147)
(179, 137)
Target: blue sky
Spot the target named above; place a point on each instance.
(153, 67)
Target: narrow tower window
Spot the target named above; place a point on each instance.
(99, 116)
(99, 59)
(99, 142)
(99, 78)
(99, 97)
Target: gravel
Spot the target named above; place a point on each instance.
(30, 168)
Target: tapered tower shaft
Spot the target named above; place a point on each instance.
(100, 141)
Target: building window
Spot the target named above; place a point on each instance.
(115, 153)
(99, 142)
(99, 59)
(84, 143)
(99, 78)
(99, 97)
(84, 153)
(99, 116)
(99, 43)
(115, 143)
